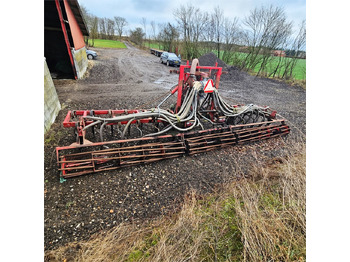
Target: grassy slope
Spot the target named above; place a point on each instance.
(258, 219)
(107, 43)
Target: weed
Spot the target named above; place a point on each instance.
(52, 138)
(135, 255)
(69, 203)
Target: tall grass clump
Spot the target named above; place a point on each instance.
(271, 211)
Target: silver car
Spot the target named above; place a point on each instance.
(91, 54)
(170, 59)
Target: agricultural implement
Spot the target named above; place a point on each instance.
(200, 120)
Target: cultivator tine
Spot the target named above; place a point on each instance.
(126, 153)
(123, 153)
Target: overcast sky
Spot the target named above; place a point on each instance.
(161, 11)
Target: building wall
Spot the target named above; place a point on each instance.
(80, 61)
(77, 35)
(52, 105)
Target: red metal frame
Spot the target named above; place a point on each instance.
(183, 78)
(69, 123)
(65, 34)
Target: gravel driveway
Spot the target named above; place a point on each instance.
(126, 79)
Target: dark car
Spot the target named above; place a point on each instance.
(91, 54)
(170, 59)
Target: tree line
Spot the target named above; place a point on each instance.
(247, 43)
(103, 28)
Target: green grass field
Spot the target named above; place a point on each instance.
(153, 45)
(107, 43)
(299, 72)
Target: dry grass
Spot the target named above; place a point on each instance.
(91, 63)
(257, 219)
(271, 212)
(296, 82)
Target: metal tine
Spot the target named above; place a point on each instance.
(137, 152)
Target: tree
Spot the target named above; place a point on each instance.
(120, 23)
(266, 30)
(192, 25)
(279, 30)
(159, 36)
(298, 46)
(91, 24)
(208, 36)
(103, 28)
(153, 27)
(231, 34)
(169, 36)
(144, 24)
(275, 70)
(137, 36)
(217, 22)
(184, 15)
(199, 26)
(110, 28)
(94, 30)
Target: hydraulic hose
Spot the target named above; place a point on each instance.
(188, 111)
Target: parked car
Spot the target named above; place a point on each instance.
(170, 59)
(91, 54)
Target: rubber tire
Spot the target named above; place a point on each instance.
(167, 63)
(90, 57)
(161, 61)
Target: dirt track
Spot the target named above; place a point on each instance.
(125, 79)
(116, 80)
